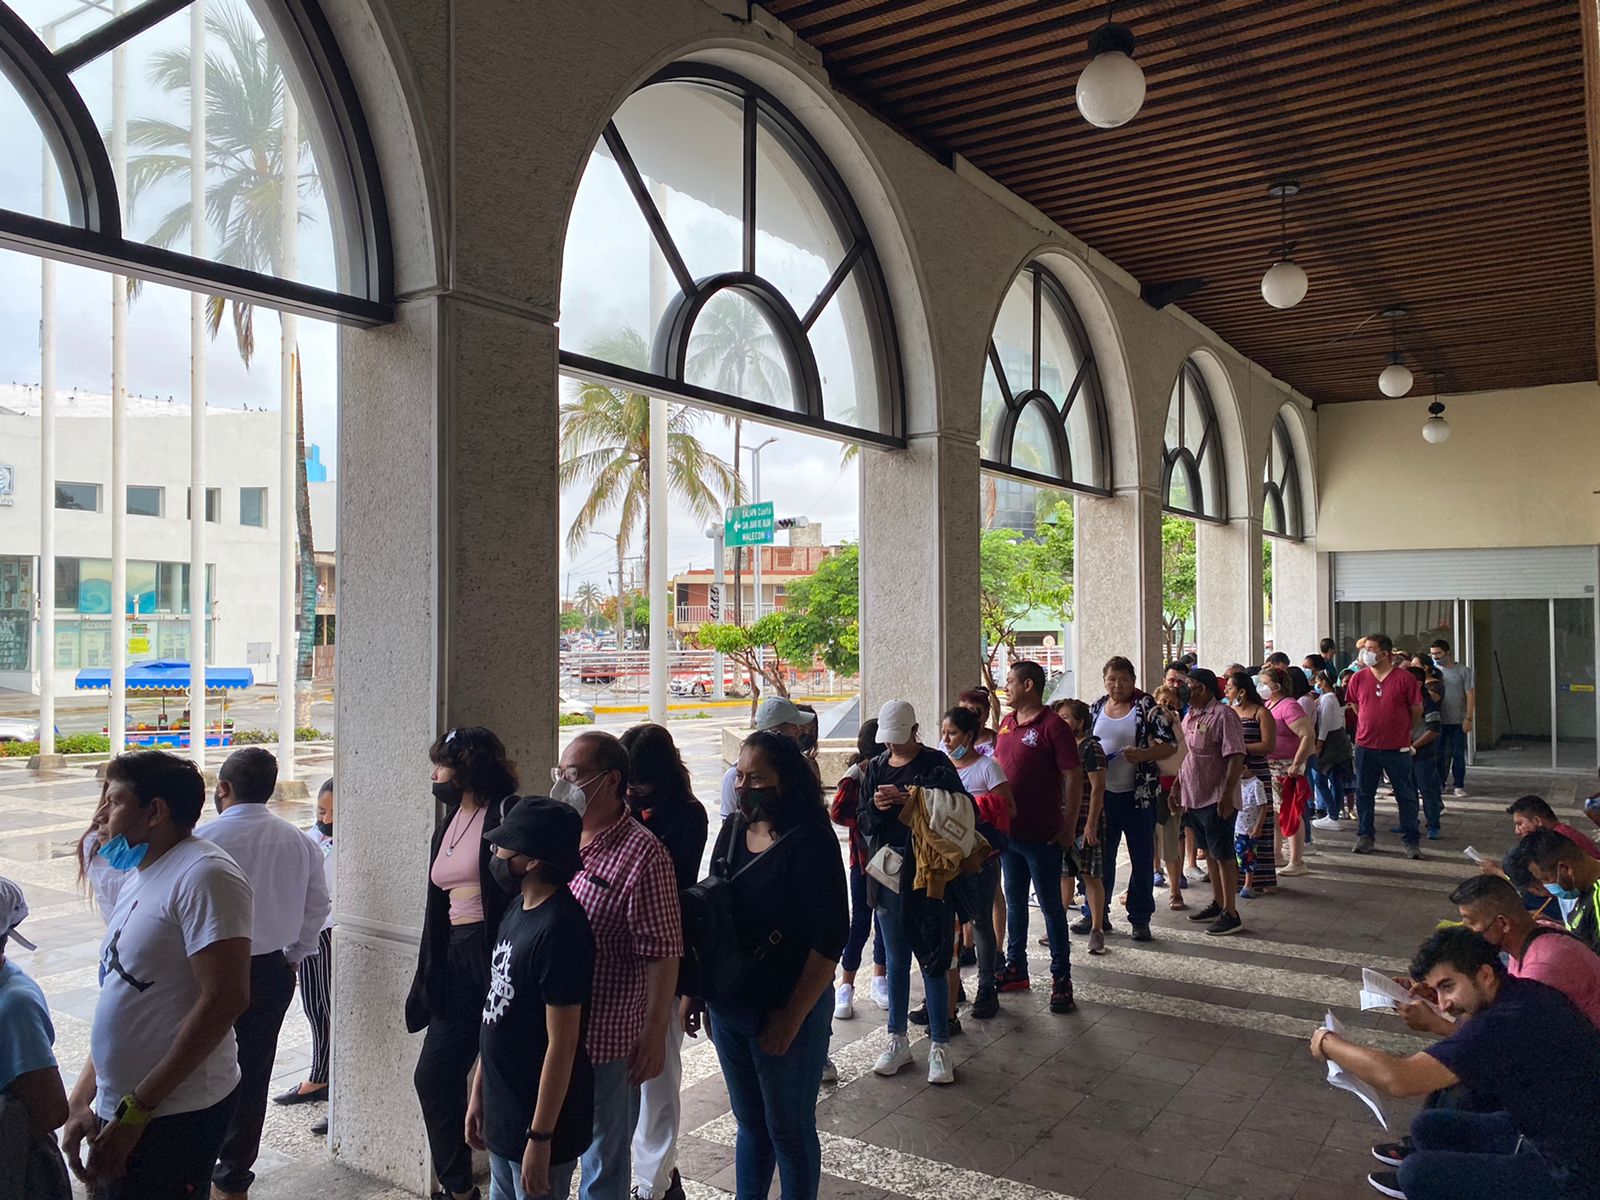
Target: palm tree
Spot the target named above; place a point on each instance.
(247, 171)
(605, 444)
(589, 599)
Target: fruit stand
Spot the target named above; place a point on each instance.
(163, 680)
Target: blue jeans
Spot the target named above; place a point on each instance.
(505, 1180)
(1125, 820)
(1452, 745)
(1372, 765)
(935, 986)
(608, 1162)
(863, 921)
(1430, 788)
(1473, 1156)
(1041, 862)
(774, 1100)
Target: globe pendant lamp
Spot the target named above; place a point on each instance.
(1111, 88)
(1435, 429)
(1285, 283)
(1395, 379)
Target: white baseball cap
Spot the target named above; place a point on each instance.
(896, 720)
(776, 710)
(13, 912)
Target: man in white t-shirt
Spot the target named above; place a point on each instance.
(162, 1075)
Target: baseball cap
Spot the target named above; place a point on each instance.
(896, 720)
(541, 828)
(13, 912)
(776, 710)
(1205, 679)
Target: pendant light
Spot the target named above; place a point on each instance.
(1111, 88)
(1285, 283)
(1435, 429)
(1395, 379)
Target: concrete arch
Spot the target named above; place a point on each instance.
(1239, 486)
(1294, 419)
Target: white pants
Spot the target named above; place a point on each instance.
(655, 1137)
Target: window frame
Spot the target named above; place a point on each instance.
(99, 496)
(1184, 456)
(670, 339)
(1086, 386)
(265, 502)
(161, 499)
(188, 512)
(1283, 496)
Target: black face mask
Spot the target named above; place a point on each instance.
(1183, 694)
(500, 868)
(325, 828)
(756, 804)
(447, 794)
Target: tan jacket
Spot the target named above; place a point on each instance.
(939, 857)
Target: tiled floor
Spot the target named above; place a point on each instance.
(1184, 1073)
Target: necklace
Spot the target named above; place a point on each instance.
(465, 829)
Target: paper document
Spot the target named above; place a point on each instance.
(1475, 855)
(1344, 1081)
(1380, 993)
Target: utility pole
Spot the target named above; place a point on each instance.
(714, 612)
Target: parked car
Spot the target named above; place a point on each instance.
(568, 707)
(18, 729)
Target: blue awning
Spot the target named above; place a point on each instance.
(165, 676)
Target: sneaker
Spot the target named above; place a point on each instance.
(1182, 882)
(1386, 1183)
(319, 1127)
(1434, 834)
(1160, 879)
(1460, 793)
(1391, 1154)
(918, 1015)
(1011, 979)
(1363, 845)
(1225, 924)
(1081, 925)
(1294, 869)
(968, 957)
(1331, 824)
(1141, 933)
(830, 1072)
(880, 991)
(940, 1069)
(1413, 850)
(1196, 875)
(1247, 894)
(955, 1026)
(895, 1058)
(987, 1004)
(1209, 913)
(1097, 942)
(1061, 1000)
(844, 1002)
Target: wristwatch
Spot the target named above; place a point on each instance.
(131, 1113)
(535, 1136)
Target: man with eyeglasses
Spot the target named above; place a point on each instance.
(628, 891)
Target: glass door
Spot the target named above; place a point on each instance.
(1572, 637)
(1512, 659)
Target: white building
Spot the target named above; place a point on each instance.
(241, 510)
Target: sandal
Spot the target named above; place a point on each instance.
(1176, 904)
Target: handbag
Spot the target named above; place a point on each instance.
(885, 866)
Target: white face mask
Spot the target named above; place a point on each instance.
(1369, 658)
(568, 792)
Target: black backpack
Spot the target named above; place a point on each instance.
(714, 957)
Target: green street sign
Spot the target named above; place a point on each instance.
(750, 525)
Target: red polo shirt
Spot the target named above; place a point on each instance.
(1036, 757)
(1383, 708)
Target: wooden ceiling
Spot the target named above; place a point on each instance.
(1440, 144)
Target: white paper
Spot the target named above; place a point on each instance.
(1344, 1081)
(1474, 855)
(1380, 993)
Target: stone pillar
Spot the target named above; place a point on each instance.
(1296, 626)
(448, 534)
(1117, 599)
(1228, 600)
(920, 638)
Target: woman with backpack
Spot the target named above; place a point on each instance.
(777, 879)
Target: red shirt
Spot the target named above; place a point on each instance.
(1036, 756)
(1383, 708)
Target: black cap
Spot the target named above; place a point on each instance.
(1205, 679)
(541, 828)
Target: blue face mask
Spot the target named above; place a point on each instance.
(959, 752)
(121, 856)
(1559, 892)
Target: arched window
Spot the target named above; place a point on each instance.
(1281, 512)
(1191, 473)
(106, 96)
(714, 255)
(1043, 412)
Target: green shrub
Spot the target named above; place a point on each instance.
(18, 749)
(307, 734)
(574, 719)
(66, 743)
(253, 737)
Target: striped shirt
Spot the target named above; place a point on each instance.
(628, 891)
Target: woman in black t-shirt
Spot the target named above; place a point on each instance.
(792, 914)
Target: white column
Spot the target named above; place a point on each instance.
(47, 466)
(197, 390)
(1117, 597)
(1228, 600)
(657, 574)
(118, 500)
(287, 567)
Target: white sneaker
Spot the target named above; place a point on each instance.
(939, 1068)
(895, 1057)
(1331, 824)
(844, 1002)
(1194, 875)
(1294, 869)
(880, 991)
(830, 1073)
(1460, 793)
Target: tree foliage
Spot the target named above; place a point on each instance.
(1021, 577)
(754, 650)
(821, 617)
(1178, 581)
(572, 620)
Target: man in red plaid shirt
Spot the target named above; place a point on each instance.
(628, 890)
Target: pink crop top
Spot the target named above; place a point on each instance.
(455, 867)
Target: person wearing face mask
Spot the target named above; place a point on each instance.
(985, 781)
(291, 906)
(475, 784)
(791, 917)
(316, 973)
(532, 1093)
(1572, 877)
(661, 799)
(629, 893)
(979, 701)
(1388, 705)
(1330, 775)
(776, 714)
(162, 1075)
(1456, 710)
(1260, 740)
(1294, 743)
